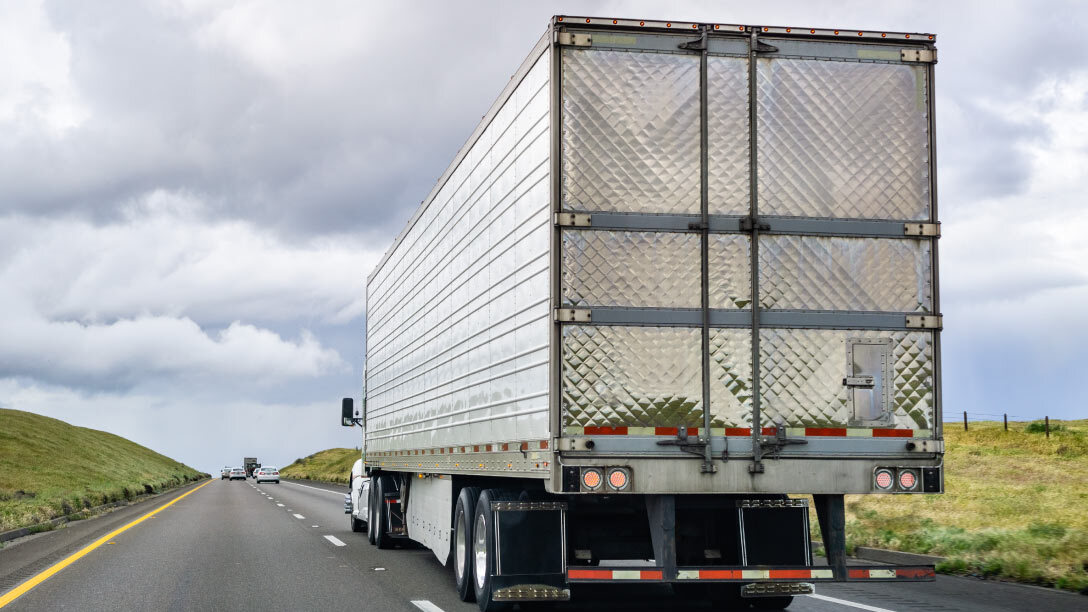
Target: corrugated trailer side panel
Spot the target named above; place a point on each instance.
(458, 315)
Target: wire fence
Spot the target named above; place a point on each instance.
(1004, 417)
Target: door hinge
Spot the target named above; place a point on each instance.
(925, 321)
(573, 315)
(923, 56)
(575, 40)
(762, 47)
(569, 219)
(694, 45)
(922, 229)
(748, 224)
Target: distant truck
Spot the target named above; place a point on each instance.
(678, 273)
(250, 465)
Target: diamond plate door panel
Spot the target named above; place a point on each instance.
(802, 370)
(728, 134)
(730, 378)
(630, 131)
(632, 376)
(821, 273)
(654, 269)
(730, 269)
(842, 139)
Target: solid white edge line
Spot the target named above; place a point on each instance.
(335, 540)
(295, 484)
(426, 605)
(852, 604)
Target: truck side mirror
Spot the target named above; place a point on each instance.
(347, 412)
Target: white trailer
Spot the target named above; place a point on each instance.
(679, 272)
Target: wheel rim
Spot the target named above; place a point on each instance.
(479, 547)
(460, 545)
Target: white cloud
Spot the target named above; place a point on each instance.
(164, 293)
(36, 87)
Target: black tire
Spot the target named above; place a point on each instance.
(484, 544)
(772, 603)
(463, 512)
(382, 539)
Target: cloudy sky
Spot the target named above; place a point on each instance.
(192, 193)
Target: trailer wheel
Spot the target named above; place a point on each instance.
(463, 513)
(772, 603)
(382, 539)
(483, 549)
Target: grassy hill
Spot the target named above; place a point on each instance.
(1015, 506)
(49, 468)
(332, 465)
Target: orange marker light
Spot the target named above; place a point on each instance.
(560, 19)
(614, 22)
(617, 479)
(591, 479)
(693, 26)
(668, 25)
(906, 35)
(884, 35)
(836, 32)
(788, 30)
(861, 33)
(587, 19)
(642, 23)
(812, 31)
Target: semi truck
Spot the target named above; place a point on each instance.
(677, 288)
(250, 465)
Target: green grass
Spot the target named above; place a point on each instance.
(1015, 506)
(332, 465)
(50, 469)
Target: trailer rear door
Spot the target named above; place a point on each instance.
(699, 170)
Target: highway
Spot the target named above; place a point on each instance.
(239, 546)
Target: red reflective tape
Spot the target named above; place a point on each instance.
(915, 573)
(769, 431)
(666, 431)
(738, 431)
(651, 575)
(588, 574)
(856, 573)
(825, 431)
(792, 574)
(605, 431)
(719, 574)
(544, 444)
(893, 433)
(505, 446)
(524, 446)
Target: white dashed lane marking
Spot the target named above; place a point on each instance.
(335, 540)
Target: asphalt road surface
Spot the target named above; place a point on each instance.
(240, 546)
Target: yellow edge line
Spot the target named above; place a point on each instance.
(20, 590)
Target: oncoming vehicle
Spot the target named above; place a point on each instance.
(237, 474)
(267, 473)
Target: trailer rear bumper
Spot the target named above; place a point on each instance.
(866, 573)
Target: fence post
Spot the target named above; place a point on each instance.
(1006, 415)
(965, 420)
(1047, 427)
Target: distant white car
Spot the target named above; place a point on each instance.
(237, 474)
(267, 473)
